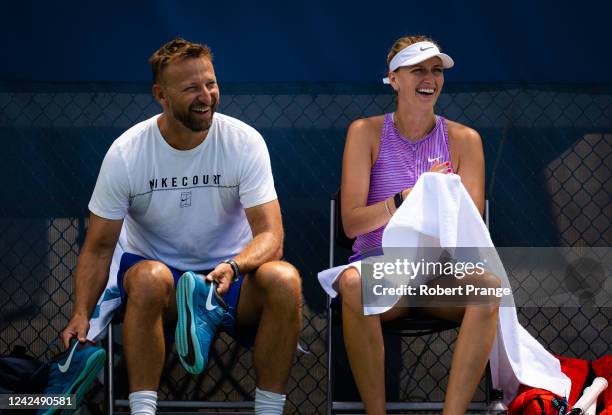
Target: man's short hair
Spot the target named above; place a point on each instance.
(175, 50)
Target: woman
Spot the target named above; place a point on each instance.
(383, 157)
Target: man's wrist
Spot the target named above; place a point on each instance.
(79, 312)
(235, 268)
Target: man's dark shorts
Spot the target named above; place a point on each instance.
(243, 335)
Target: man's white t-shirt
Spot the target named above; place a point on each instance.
(185, 208)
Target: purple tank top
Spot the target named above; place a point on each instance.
(399, 164)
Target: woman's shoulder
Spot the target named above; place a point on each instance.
(370, 127)
(368, 124)
(462, 134)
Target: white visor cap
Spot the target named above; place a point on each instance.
(417, 53)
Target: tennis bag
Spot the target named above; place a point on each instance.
(532, 401)
(603, 368)
(20, 373)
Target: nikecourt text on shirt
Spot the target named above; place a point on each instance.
(175, 182)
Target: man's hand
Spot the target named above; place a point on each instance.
(91, 274)
(223, 274)
(77, 327)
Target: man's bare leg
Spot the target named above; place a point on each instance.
(151, 301)
(272, 298)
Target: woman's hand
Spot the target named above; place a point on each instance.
(443, 168)
(437, 167)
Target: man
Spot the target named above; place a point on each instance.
(193, 190)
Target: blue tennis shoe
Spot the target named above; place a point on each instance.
(72, 372)
(201, 312)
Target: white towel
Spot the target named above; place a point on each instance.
(110, 299)
(439, 212)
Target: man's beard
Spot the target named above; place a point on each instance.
(189, 120)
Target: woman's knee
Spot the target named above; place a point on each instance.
(349, 287)
(486, 304)
(489, 280)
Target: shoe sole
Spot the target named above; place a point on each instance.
(81, 384)
(187, 345)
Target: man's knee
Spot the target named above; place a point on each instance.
(149, 283)
(278, 274)
(280, 278)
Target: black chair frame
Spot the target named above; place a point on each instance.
(404, 327)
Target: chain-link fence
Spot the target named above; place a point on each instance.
(548, 150)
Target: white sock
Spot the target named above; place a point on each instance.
(268, 403)
(143, 402)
